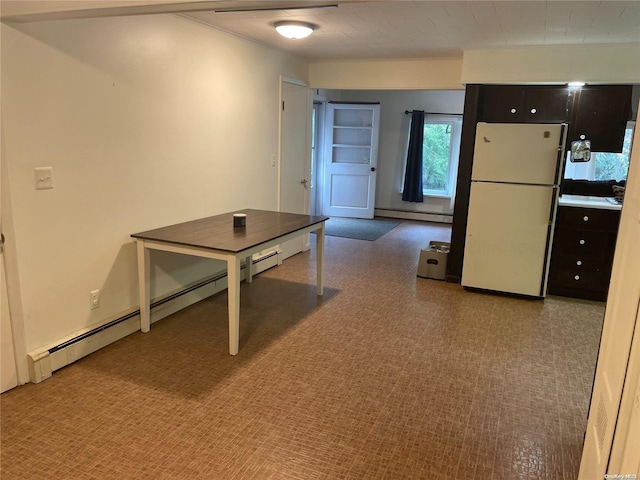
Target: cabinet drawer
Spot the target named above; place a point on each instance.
(579, 279)
(583, 243)
(588, 218)
(576, 262)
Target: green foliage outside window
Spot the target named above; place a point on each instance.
(436, 151)
(614, 165)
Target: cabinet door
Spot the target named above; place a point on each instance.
(501, 103)
(524, 104)
(600, 113)
(545, 104)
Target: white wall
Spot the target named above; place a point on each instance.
(394, 131)
(410, 74)
(549, 64)
(146, 121)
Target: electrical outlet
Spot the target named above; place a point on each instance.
(94, 299)
(43, 178)
(273, 159)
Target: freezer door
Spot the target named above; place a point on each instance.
(508, 231)
(518, 153)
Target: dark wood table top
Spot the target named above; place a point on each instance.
(218, 232)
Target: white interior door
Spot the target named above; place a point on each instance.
(295, 146)
(351, 158)
(607, 415)
(8, 370)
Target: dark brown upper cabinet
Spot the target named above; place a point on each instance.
(524, 104)
(600, 113)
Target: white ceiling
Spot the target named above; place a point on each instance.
(378, 29)
(414, 29)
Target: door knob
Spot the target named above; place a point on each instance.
(373, 169)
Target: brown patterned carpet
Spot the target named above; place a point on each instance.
(388, 377)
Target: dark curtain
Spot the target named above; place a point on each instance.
(412, 191)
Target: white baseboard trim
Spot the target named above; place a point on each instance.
(46, 360)
(423, 216)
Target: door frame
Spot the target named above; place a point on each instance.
(613, 418)
(625, 455)
(317, 175)
(315, 207)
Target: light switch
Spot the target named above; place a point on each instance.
(43, 177)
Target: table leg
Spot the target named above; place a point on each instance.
(233, 291)
(320, 259)
(143, 286)
(248, 270)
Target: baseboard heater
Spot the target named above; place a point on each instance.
(412, 215)
(44, 361)
(115, 322)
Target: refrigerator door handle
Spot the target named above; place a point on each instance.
(550, 233)
(561, 154)
(554, 204)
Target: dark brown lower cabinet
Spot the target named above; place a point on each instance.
(582, 255)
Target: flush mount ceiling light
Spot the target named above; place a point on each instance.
(294, 30)
(576, 84)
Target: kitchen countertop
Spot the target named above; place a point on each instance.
(588, 202)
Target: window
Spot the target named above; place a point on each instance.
(604, 165)
(614, 165)
(440, 150)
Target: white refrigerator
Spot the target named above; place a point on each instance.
(512, 206)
